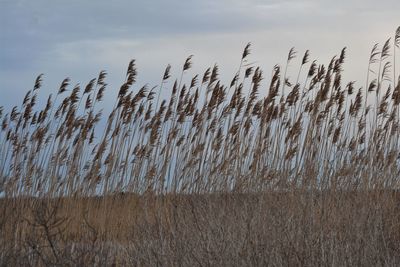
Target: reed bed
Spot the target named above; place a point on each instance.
(255, 172)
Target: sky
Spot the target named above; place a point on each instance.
(77, 39)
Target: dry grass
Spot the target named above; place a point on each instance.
(285, 172)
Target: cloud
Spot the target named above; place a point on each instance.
(79, 38)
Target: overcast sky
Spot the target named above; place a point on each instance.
(78, 38)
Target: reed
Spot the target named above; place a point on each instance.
(278, 172)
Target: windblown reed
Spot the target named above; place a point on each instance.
(319, 141)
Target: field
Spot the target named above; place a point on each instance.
(293, 171)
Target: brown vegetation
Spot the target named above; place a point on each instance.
(306, 174)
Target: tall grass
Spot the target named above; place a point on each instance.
(255, 172)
